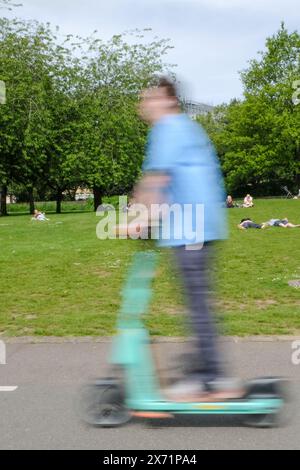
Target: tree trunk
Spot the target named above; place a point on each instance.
(58, 202)
(97, 197)
(31, 201)
(3, 205)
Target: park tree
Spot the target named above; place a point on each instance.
(25, 67)
(70, 117)
(215, 123)
(258, 138)
(64, 150)
(269, 88)
(114, 137)
(8, 4)
(97, 138)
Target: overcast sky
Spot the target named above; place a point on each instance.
(212, 39)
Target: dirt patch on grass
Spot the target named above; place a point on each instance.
(174, 310)
(260, 304)
(101, 273)
(31, 316)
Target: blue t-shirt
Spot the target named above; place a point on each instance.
(180, 148)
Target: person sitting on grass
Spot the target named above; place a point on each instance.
(248, 223)
(284, 223)
(38, 215)
(248, 201)
(230, 203)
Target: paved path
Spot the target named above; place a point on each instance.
(40, 414)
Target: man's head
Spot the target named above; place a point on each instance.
(159, 101)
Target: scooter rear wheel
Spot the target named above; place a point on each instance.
(269, 420)
(103, 405)
(269, 387)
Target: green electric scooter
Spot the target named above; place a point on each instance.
(114, 401)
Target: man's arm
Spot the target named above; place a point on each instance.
(150, 189)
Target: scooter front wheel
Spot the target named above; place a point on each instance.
(103, 404)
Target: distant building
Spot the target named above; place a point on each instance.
(82, 194)
(11, 199)
(194, 109)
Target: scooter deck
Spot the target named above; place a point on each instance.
(240, 406)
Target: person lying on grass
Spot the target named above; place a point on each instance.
(248, 223)
(38, 215)
(284, 223)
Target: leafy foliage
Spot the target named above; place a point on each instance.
(258, 138)
(70, 117)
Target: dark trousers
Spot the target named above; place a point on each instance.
(252, 225)
(195, 266)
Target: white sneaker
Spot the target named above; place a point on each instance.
(193, 390)
(185, 390)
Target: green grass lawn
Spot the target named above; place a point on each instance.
(58, 279)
